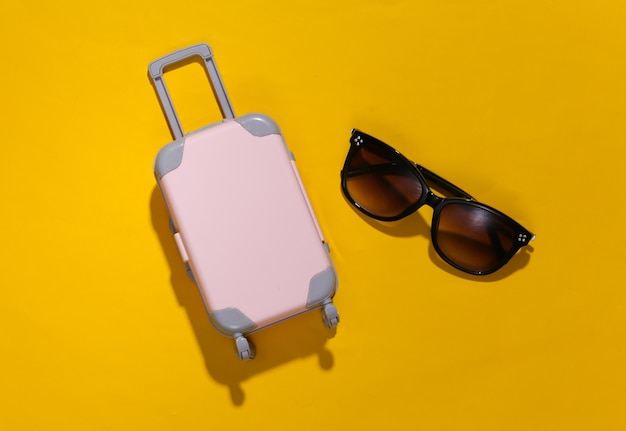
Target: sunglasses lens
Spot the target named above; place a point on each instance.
(381, 182)
(473, 237)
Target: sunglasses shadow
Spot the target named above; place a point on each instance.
(416, 225)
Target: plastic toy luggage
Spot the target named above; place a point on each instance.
(240, 216)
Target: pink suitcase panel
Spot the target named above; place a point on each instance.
(239, 208)
(242, 221)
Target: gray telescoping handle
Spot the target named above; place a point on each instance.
(156, 73)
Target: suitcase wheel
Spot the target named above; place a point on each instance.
(330, 316)
(245, 349)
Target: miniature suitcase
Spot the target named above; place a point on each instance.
(240, 216)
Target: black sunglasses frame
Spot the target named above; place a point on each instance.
(429, 198)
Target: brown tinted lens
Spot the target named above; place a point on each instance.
(473, 237)
(381, 182)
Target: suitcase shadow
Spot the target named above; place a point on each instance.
(299, 337)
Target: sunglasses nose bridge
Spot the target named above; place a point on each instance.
(432, 200)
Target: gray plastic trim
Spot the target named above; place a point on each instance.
(203, 51)
(259, 124)
(231, 321)
(169, 158)
(321, 287)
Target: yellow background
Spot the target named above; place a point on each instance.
(521, 103)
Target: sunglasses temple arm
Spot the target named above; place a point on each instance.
(383, 167)
(428, 175)
(443, 183)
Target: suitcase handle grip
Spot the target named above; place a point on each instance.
(156, 73)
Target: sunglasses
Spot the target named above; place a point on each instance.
(385, 185)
